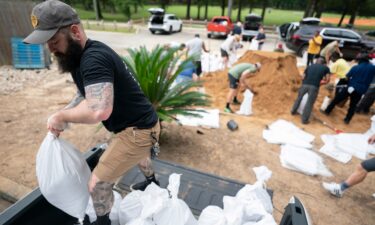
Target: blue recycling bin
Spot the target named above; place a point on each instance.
(28, 56)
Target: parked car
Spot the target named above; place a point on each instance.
(219, 26)
(371, 33)
(351, 42)
(167, 23)
(251, 26)
(285, 29)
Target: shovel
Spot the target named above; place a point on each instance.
(337, 131)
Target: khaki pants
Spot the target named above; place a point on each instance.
(126, 150)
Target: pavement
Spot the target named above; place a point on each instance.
(142, 37)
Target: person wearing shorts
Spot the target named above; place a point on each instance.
(237, 76)
(356, 177)
(194, 50)
(107, 92)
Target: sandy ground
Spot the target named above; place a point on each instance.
(25, 109)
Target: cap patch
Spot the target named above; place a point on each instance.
(34, 21)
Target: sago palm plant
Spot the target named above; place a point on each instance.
(155, 72)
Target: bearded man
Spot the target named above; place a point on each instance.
(107, 93)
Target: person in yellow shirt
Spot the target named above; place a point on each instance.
(340, 68)
(314, 47)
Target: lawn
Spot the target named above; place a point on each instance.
(273, 17)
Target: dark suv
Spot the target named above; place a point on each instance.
(351, 42)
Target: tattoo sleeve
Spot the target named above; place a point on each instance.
(75, 101)
(102, 198)
(99, 96)
(146, 167)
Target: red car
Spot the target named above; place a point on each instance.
(219, 26)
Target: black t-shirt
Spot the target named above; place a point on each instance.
(237, 30)
(260, 36)
(314, 74)
(99, 64)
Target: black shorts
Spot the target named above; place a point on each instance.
(224, 53)
(198, 67)
(369, 165)
(233, 82)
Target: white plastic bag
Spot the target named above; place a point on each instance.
(249, 193)
(212, 215)
(325, 103)
(174, 206)
(254, 44)
(303, 160)
(233, 210)
(113, 215)
(303, 103)
(63, 175)
(246, 105)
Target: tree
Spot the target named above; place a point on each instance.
(264, 7)
(155, 72)
(239, 10)
(354, 12)
(206, 9)
(230, 3)
(222, 7)
(98, 13)
(188, 9)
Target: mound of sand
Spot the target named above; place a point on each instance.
(275, 84)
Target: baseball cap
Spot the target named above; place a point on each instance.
(47, 17)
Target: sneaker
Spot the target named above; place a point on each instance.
(346, 121)
(324, 112)
(228, 110)
(334, 189)
(141, 186)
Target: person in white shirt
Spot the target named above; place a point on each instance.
(194, 49)
(229, 47)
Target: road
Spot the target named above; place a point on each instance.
(121, 41)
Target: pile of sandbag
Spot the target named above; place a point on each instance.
(296, 148)
(252, 205)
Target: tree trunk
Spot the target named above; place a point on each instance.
(239, 10)
(98, 13)
(310, 8)
(230, 3)
(354, 12)
(199, 11)
(188, 9)
(206, 10)
(343, 15)
(319, 9)
(264, 7)
(135, 8)
(251, 6)
(222, 7)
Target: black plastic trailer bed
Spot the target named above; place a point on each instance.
(197, 189)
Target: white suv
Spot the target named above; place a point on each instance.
(163, 22)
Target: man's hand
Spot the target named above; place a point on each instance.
(371, 140)
(55, 124)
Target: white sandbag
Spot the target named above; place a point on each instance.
(262, 173)
(283, 137)
(113, 215)
(352, 143)
(141, 221)
(302, 104)
(209, 118)
(325, 103)
(136, 203)
(174, 206)
(254, 44)
(303, 160)
(246, 105)
(286, 126)
(130, 207)
(212, 215)
(254, 211)
(266, 220)
(329, 149)
(249, 193)
(232, 59)
(233, 210)
(63, 175)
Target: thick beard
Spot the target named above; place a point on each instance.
(69, 61)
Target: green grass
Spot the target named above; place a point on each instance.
(273, 17)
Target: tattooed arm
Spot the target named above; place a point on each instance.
(95, 108)
(75, 101)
